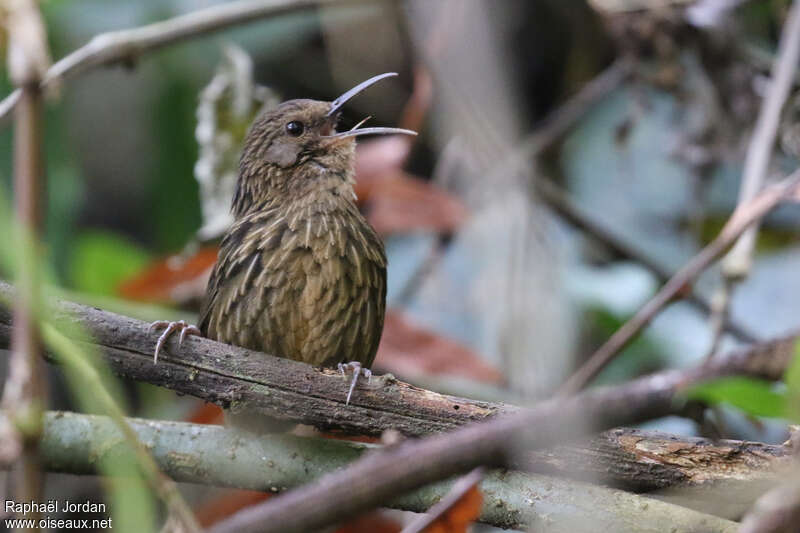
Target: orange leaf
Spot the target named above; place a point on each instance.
(176, 279)
(205, 413)
(458, 518)
(226, 504)
(457, 510)
(373, 522)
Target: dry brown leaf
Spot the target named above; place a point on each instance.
(401, 203)
(396, 201)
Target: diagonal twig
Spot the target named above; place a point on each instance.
(743, 217)
(777, 511)
(125, 45)
(737, 263)
(573, 214)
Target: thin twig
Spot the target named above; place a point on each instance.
(573, 214)
(737, 263)
(24, 395)
(125, 45)
(720, 314)
(741, 219)
(560, 121)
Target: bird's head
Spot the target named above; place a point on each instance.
(293, 146)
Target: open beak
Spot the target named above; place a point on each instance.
(337, 104)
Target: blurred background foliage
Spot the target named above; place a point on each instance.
(494, 290)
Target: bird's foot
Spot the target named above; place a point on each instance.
(171, 327)
(357, 369)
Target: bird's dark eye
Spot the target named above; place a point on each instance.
(295, 128)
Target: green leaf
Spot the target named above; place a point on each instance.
(756, 397)
(792, 375)
(101, 260)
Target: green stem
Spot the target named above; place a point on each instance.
(74, 359)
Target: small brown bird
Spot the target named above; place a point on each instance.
(300, 273)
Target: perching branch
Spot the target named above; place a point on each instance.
(213, 455)
(123, 46)
(742, 218)
(380, 476)
(233, 377)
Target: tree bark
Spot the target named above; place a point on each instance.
(644, 461)
(212, 455)
(280, 388)
(233, 377)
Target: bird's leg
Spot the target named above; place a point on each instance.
(171, 327)
(357, 369)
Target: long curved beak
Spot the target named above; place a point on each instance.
(369, 131)
(337, 104)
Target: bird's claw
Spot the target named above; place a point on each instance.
(357, 369)
(170, 328)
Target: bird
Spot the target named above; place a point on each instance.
(300, 273)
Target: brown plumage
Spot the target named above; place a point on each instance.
(300, 273)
